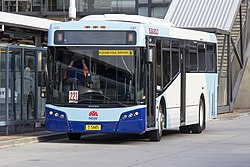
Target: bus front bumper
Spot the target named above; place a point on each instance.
(60, 123)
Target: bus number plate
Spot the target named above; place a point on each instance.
(93, 127)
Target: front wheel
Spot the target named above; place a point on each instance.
(156, 134)
(74, 136)
(197, 128)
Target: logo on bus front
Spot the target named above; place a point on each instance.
(93, 115)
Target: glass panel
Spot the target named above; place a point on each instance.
(201, 54)
(95, 6)
(94, 78)
(143, 1)
(16, 5)
(41, 66)
(161, 1)
(15, 84)
(58, 5)
(36, 5)
(24, 6)
(123, 6)
(29, 84)
(175, 63)
(193, 61)
(166, 67)
(9, 6)
(159, 12)
(166, 43)
(143, 11)
(2, 83)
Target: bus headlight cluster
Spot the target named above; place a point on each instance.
(130, 115)
(57, 114)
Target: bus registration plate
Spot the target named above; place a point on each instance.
(93, 127)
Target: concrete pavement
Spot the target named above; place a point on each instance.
(42, 136)
(31, 137)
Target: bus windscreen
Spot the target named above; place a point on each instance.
(79, 37)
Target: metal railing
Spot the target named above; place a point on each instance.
(20, 99)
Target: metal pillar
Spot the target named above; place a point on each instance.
(229, 74)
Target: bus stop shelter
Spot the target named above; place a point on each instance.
(23, 41)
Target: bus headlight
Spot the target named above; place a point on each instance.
(54, 114)
(130, 115)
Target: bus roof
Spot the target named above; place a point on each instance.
(128, 18)
(146, 26)
(154, 23)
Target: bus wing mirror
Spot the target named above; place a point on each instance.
(149, 57)
(41, 79)
(88, 78)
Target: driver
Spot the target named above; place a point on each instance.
(77, 69)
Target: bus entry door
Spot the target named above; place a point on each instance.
(150, 87)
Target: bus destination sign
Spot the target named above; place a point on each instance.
(116, 53)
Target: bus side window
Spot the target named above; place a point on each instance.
(210, 58)
(166, 67)
(193, 61)
(201, 57)
(175, 63)
(192, 58)
(158, 65)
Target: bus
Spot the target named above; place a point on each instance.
(117, 73)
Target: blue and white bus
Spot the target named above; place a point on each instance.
(129, 74)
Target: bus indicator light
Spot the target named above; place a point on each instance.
(95, 26)
(87, 26)
(59, 37)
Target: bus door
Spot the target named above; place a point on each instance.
(150, 82)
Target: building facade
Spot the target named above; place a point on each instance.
(58, 9)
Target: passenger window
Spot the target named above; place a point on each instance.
(165, 43)
(166, 67)
(201, 57)
(193, 61)
(210, 62)
(210, 58)
(158, 65)
(175, 63)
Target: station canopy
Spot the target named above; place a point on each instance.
(17, 29)
(207, 15)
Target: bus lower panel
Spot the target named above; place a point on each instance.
(56, 125)
(131, 126)
(80, 127)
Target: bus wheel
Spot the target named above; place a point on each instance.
(197, 128)
(74, 136)
(30, 107)
(156, 134)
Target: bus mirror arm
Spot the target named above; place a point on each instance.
(41, 79)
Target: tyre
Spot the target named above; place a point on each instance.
(74, 136)
(197, 128)
(30, 107)
(156, 134)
